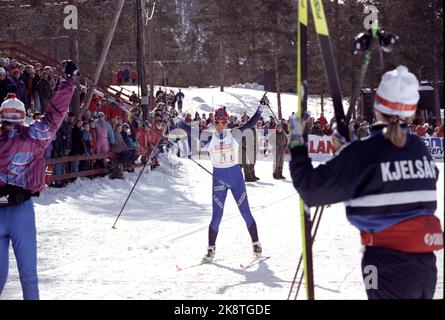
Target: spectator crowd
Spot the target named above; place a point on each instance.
(107, 127)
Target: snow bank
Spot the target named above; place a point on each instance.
(251, 86)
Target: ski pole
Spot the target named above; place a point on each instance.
(296, 273)
(140, 174)
(379, 39)
(299, 263)
(319, 214)
(363, 70)
(273, 113)
(212, 174)
(301, 257)
(266, 102)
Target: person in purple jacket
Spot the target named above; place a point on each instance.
(22, 176)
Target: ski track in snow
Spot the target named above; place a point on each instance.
(165, 223)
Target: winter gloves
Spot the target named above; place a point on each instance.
(70, 69)
(264, 101)
(264, 104)
(338, 140)
(296, 129)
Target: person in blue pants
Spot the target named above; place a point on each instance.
(17, 225)
(22, 176)
(223, 147)
(231, 178)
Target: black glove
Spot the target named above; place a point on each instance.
(362, 41)
(387, 40)
(70, 68)
(264, 101)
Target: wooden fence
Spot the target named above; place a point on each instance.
(86, 173)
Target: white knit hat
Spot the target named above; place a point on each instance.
(12, 110)
(398, 93)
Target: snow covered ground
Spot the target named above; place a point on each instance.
(165, 224)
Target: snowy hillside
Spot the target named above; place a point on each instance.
(237, 100)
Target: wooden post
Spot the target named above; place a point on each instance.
(74, 53)
(435, 67)
(381, 60)
(436, 85)
(221, 65)
(75, 100)
(151, 58)
(103, 56)
(277, 75)
(140, 52)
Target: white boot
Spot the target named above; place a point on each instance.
(257, 250)
(210, 254)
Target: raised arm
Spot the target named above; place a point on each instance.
(264, 105)
(44, 130)
(252, 121)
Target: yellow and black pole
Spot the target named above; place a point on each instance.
(321, 28)
(302, 107)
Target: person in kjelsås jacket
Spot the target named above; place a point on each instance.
(388, 184)
(22, 176)
(223, 146)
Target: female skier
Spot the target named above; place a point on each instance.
(223, 146)
(388, 184)
(22, 176)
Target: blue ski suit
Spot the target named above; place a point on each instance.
(227, 176)
(224, 150)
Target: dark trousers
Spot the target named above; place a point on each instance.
(400, 275)
(249, 174)
(233, 177)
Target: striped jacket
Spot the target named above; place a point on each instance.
(380, 184)
(22, 162)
